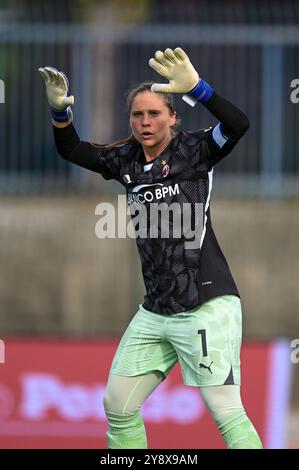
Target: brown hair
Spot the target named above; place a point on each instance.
(145, 86)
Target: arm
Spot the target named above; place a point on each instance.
(85, 154)
(234, 123)
(68, 144)
(183, 78)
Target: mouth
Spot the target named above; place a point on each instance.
(146, 135)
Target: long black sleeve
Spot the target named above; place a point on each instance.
(86, 154)
(71, 148)
(66, 140)
(234, 122)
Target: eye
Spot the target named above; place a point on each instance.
(154, 113)
(136, 113)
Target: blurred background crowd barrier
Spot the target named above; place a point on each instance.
(56, 277)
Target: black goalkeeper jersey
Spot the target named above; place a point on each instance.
(178, 276)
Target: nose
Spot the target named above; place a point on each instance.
(145, 120)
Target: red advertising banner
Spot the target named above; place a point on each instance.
(51, 395)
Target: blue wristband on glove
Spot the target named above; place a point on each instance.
(62, 116)
(202, 92)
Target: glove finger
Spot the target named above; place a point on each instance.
(180, 54)
(52, 73)
(44, 74)
(62, 82)
(160, 57)
(55, 75)
(161, 69)
(48, 67)
(160, 88)
(65, 78)
(68, 101)
(170, 55)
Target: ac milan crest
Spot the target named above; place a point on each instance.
(165, 170)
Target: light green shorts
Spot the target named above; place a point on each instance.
(206, 341)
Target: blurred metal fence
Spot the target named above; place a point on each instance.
(250, 64)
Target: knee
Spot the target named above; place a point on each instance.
(223, 400)
(111, 402)
(115, 401)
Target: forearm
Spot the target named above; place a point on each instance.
(74, 150)
(66, 140)
(234, 122)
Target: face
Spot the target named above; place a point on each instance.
(151, 121)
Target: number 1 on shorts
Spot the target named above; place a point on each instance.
(203, 342)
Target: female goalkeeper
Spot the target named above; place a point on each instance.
(191, 311)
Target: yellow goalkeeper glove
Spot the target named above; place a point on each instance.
(177, 68)
(183, 78)
(57, 89)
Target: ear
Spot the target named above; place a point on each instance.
(173, 117)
